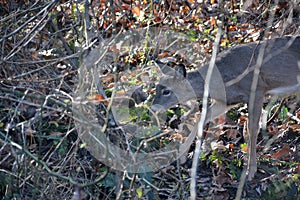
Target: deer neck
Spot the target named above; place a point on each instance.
(217, 88)
(196, 80)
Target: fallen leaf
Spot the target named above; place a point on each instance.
(213, 21)
(282, 153)
(231, 146)
(96, 98)
(242, 120)
(136, 11)
(164, 54)
(178, 137)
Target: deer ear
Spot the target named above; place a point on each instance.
(164, 68)
(181, 70)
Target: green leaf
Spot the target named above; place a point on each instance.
(83, 145)
(283, 113)
(139, 192)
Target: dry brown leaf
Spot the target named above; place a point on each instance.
(282, 153)
(108, 78)
(178, 137)
(232, 28)
(164, 54)
(272, 130)
(213, 21)
(136, 11)
(97, 98)
(295, 127)
(242, 119)
(230, 146)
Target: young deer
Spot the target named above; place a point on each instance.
(279, 75)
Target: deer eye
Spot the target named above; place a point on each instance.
(166, 92)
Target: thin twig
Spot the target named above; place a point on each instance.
(200, 124)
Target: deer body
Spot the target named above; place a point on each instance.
(279, 75)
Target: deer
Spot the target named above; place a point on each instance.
(278, 75)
